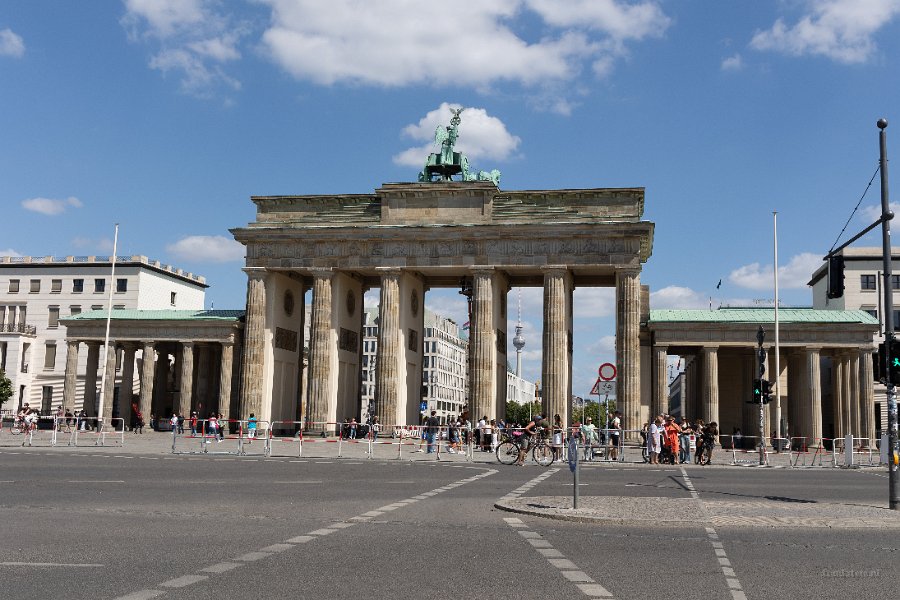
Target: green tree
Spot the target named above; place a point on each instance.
(6, 390)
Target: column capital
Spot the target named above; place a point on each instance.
(255, 272)
(148, 343)
(322, 273)
(227, 343)
(630, 271)
(554, 269)
(71, 342)
(93, 344)
(188, 344)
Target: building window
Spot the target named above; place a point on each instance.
(35, 286)
(53, 321)
(74, 310)
(867, 282)
(55, 286)
(77, 286)
(49, 357)
(118, 307)
(46, 399)
(121, 285)
(172, 298)
(100, 285)
(13, 286)
(895, 282)
(897, 320)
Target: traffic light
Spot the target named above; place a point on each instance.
(757, 392)
(835, 277)
(766, 391)
(894, 367)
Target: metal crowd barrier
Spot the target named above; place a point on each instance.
(99, 432)
(237, 439)
(385, 435)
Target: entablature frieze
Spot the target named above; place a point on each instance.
(138, 334)
(614, 252)
(837, 337)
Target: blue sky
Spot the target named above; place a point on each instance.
(167, 115)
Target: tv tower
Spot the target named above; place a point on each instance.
(519, 340)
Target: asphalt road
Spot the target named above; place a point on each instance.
(113, 525)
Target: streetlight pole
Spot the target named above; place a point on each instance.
(886, 215)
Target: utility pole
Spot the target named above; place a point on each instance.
(886, 216)
(761, 354)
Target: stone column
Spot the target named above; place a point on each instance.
(838, 399)
(225, 369)
(812, 399)
(866, 398)
(71, 374)
(253, 364)
(148, 367)
(628, 351)
(321, 348)
(661, 384)
(126, 390)
(711, 384)
(481, 329)
(90, 379)
(853, 396)
(185, 389)
(110, 383)
(386, 384)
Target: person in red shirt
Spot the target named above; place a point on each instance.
(673, 432)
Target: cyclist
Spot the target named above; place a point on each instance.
(531, 430)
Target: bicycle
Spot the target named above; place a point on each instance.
(541, 452)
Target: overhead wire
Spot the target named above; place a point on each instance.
(856, 208)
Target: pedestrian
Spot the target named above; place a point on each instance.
(194, 424)
(139, 421)
(153, 421)
(452, 435)
(432, 425)
(221, 422)
(251, 428)
(60, 415)
(615, 426)
(589, 435)
(180, 423)
(737, 438)
(673, 435)
(353, 426)
(556, 436)
(654, 446)
(212, 427)
(684, 456)
(495, 435)
(69, 420)
(486, 434)
(82, 420)
(174, 423)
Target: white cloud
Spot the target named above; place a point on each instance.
(842, 30)
(481, 136)
(396, 42)
(9, 252)
(675, 296)
(872, 212)
(50, 206)
(206, 248)
(11, 44)
(195, 41)
(605, 346)
(620, 20)
(733, 63)
(100, 244)
(794, 275)
(594, 302)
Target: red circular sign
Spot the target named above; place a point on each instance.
(607, 371)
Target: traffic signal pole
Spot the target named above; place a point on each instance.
(886, 216)
(761, 355)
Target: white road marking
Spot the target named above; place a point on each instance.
(184, 581)
(221, 567)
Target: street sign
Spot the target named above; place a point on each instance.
(603, 387)
(596, 389)
(573, 453)
(607, 371)
(423, 406)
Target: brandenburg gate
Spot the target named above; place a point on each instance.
(406, 238)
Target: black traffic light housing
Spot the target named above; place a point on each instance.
(894, 367)
(835, 277)
(878, 364)
(757, 392)
(766, 391)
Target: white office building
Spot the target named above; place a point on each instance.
(37, 291)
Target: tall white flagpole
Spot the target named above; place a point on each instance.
(777, 351)
(112, 282)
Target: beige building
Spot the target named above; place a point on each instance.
(405, 239)
(38, 294)
(825, 387)
(863, 290)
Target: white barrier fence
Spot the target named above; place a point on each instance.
(63, 430)
(207, 436)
